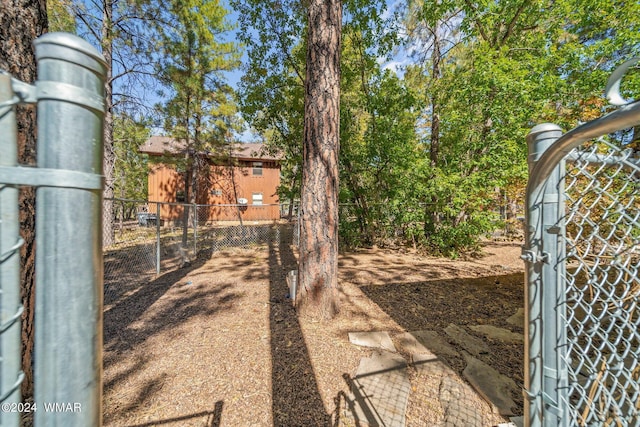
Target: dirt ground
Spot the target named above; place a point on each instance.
(218, 343)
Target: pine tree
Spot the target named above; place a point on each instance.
(200, 109)
(21, 22)
(318, 259)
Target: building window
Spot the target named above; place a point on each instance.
(216, 192)
(256, 198)
(257, 168)
(180, 197)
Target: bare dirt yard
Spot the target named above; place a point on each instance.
(218, 343)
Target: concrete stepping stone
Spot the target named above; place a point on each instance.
(470, 343)
(422, 359)
(499, 334)
(409, 343)
(380, 390)
(494, 387)
(375, 339)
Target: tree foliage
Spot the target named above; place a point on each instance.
(130, 165)
(147, 44)
(60, 16)
(434, 154)
(200, 108)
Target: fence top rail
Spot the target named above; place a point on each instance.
(626, 158)
(151, 202)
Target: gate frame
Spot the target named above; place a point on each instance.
(545, 372)
(68, 341)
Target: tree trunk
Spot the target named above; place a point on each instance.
(318, 267)
(188, 176)
(22, 21)
(434, 152)
(109, 159)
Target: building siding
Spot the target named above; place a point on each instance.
(216, 191)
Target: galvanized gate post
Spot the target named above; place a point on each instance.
(195, 231)
(10, 242)
(69, 271)
(158, 248)
(542, 246)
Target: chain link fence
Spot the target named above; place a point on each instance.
(65, 322)
(582, 251)
(144, 239)
(602, 185)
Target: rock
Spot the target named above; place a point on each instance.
(517, 319)
(456, 399)
(472, 344)
(500, 334)
(380, 390)
(434, 342)
(374, 339)
(494, 387)
(409, 343)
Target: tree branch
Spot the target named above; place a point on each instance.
(512, 23)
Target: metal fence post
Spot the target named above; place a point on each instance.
(10, 242)
(541, 287)
(158, 238)
(69, 269)
(195, 231)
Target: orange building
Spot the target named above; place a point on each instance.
(238, 186)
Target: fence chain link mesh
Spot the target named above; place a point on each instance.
(602, 246)
(144, 239)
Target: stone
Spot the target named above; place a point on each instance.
(408, 343)
(470, 343)
(517, 319)
(435, 343)
(494, 387)
(455, 399)
(499, 334)
(375, 339)
(380, 390)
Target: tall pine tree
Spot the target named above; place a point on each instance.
(200, 108)
(318, 262)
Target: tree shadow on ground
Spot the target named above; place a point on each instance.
(296, 400)
(130, 321)
(434, 305)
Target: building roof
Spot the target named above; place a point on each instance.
(242, 151)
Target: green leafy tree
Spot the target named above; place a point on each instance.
(271, 91)
(501, 72)
(130, 168)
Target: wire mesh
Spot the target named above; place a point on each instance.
(601, 313)
(143, 239)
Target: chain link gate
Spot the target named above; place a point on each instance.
(582, 252)
(67, 352)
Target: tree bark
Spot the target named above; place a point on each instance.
(109, 157)
(318, 264)
(21, 22)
